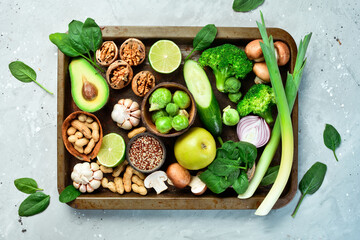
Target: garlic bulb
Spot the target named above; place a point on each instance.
(126, 114)
(86, 177)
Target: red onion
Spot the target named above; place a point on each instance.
(253, 129)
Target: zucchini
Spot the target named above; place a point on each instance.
(207, 106)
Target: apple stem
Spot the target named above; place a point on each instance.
(220, 140)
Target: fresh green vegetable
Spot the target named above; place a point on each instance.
(180, 122)
(207, 106)
(183, 112)
(203, 38)
(24, 73)
(332, 138)
(226, 61)
(34, 204)
(27, 185)
(232, 85)
(246, 5)
(230, 116)
(81, 39)
(232, 161)
(270, 176)
(163, 124)
(172, 109)
(258, 100)
(69, 194)
(159, 99)
(235, 97)
(181, 99)
(311, 182)
(157, 114)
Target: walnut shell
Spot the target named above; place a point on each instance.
(132, 51)
(119, 74)
(142, 83)
(107, 53)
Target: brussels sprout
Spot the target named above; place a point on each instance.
(180, 122)
(235, 97)
(159, 99)
(163, 124)
(232, 85)
(172, 109)
(230, 116)
(181, 99)
(183, 112)
(157, 114)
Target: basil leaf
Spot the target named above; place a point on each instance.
(311, 182)
(248, 153)
(69, 194)
(215, 183)
(241, 184)
(246, 5)
(26, 185)
(332, 138)
(34, 204)
(204, 37)
(75, 29)
(62, 41)
(91, 35)
(270, 176)
(22, 72)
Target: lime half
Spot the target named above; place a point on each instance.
(165, 56)
(112, 150)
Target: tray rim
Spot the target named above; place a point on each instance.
(201, 203)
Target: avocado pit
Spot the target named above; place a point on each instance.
(89, 90)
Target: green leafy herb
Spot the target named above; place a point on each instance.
(215, 183)
(91, 35)
(62, 41)
(204, 38)
(69, 194)
(75, 30)
(246, 5)
(241, 184)
(311, 182)
(270, 176)
(24, 73)
(34, 204)
(332, 138)
(26, 185)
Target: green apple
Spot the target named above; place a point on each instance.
(195, 149)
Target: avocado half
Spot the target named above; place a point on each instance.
(89, 89)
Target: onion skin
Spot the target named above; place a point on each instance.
(256, 126)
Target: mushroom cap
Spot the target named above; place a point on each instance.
(253, 50)
(179, 176)
(261, 71)
(283, 52)
(155, 176)
(198, 187)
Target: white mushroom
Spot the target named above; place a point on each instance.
(198, 187)
(126, 114)
(86, 177)
(156, 180)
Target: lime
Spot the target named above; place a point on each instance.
(112, 150)
(164, 56)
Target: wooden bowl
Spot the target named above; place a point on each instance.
(70, 147)
(146, 114)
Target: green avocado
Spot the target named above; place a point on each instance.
(89, 89)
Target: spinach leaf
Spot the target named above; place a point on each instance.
(34, 204)
(233, 176)
(241, 184)
(26, 185)
(248, 153)
(69, 194)
(270, 176)
(215, 183)
(24, 73)
(75, 30)
(246, 5)
(332, 138)
(62, 41)
(91, 35)
(223, 167)
(204, 38)
(311, 182)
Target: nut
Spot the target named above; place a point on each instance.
(132, 51)
(107, 53)
(119, 74)
(142, 83)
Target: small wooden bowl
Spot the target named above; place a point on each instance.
(146, 114)
(70, 147)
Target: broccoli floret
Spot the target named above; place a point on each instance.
(258, 100)
(226, 61)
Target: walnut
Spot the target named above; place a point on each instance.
(142, 83)
(132, 51)
(119, 74)
(107, 53)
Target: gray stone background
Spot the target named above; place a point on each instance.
(329, 93)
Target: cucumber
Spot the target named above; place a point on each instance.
(207, 106)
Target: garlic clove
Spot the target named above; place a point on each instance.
(78, 168)
(121, 101)
(84, 180)
(126, 125)
(89, 189)
(87, 174)
(134, 106)
(82, 188)
(85, 167)
(76, 185)
(134, 121)
(128, 102)
(74, 175)
(136, 114)
(95, 184)
(98, 175)
(94, 166)
(78, 179)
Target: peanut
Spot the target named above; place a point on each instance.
(135, 179)
(79, 135)
(104, 182)
(139, 174)
(127, 179)
(79, 149)
(139, 189)
(94, 126)
(119, 185)
(82, 128)
(111, 186)
(82, 117)
(89, 120)
(81, 142)
(106, 169)
(72, 138)
(71, 131)
(136, 131)
(118, 170)
(89, 147)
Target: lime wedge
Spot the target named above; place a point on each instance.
(112, 150)
(165, 56)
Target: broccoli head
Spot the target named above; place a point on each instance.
(258, 100)
(226, 61)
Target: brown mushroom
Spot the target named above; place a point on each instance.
(132, 51)
(253, 51)
(119, 74)
(107, 53)
(262, 73)
(283, 53)
(178, 175)
(142, 83)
